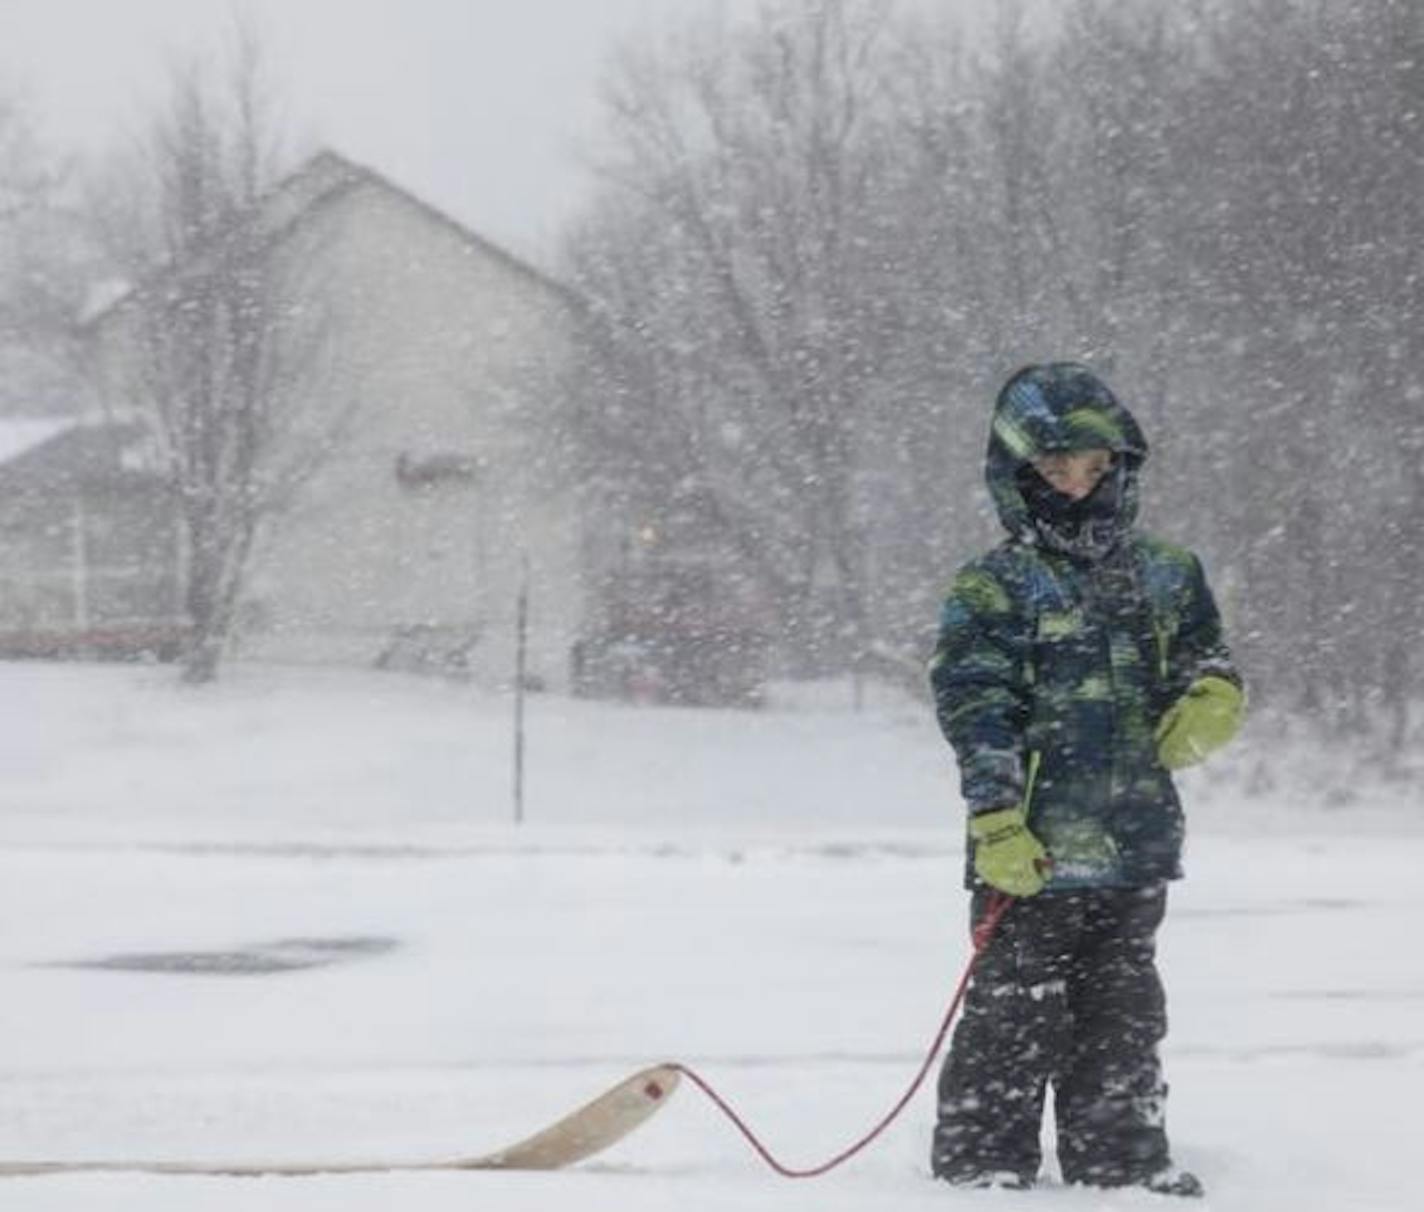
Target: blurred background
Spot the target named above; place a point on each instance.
(330, 333)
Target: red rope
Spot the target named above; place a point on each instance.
(983, 932)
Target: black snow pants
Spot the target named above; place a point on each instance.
(1066, 993)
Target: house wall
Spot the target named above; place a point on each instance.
(86, 543)
(89, 567)
(39, 544)
(438, 380)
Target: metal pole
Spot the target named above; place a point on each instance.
(521, 654)
(80, 565)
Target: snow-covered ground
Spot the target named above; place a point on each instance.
(772, 897)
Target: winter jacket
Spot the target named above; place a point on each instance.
(1057, 656)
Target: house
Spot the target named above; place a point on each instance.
(432, 409)
(88, 541)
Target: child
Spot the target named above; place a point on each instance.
(1078, 663)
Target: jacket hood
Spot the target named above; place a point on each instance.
(1058, 406)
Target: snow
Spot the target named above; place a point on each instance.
(772, 897)
(18, 435)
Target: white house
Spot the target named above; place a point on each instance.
(441, 479)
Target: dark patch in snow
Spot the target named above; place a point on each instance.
(259, 959)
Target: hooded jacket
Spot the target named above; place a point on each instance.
(1060, 649)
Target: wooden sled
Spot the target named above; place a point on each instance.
(589, 1130)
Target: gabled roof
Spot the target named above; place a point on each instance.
(328, 175)
(40, 454)
(325, 179)
(21, 434)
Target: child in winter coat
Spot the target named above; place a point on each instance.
(1078, 664)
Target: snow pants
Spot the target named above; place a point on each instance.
(1066, 993)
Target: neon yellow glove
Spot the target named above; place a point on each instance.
(1200, 722)
(1006, 855)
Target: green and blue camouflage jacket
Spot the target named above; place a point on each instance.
(1057, 656)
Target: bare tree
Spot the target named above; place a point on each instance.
(732, 271)
(226, 332)
(801, 271)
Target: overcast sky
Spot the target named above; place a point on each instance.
(480, 106)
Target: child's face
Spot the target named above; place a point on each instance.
(1074, 473)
